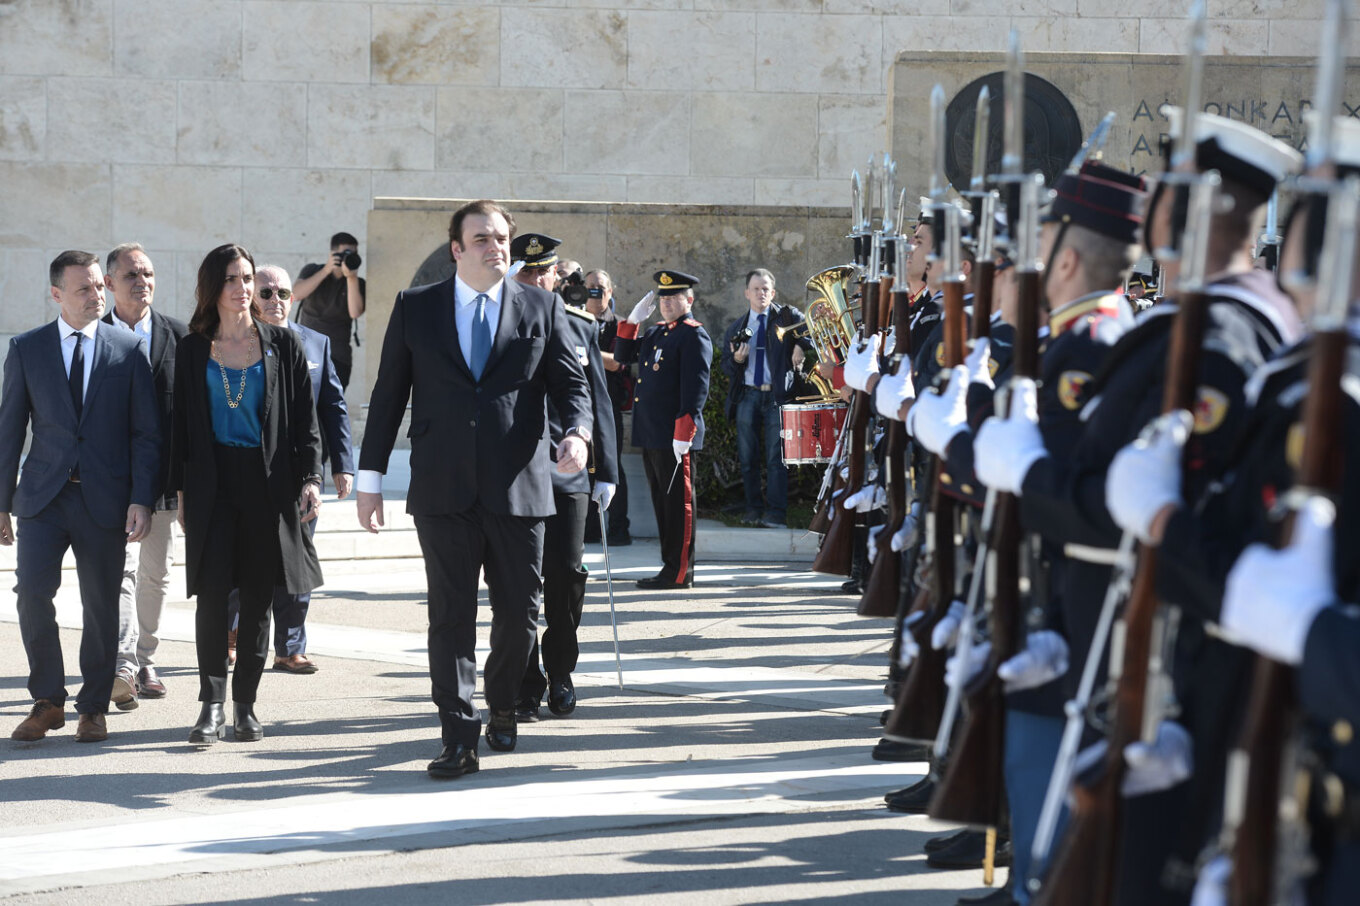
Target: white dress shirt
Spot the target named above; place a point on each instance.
(68, 349)
(142, 329)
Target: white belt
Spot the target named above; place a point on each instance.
(1101, 556)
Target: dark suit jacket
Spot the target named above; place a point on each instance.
(778, 358)
(166, 333)
(290, 442)
(604, 461)
(116, 442)
(475, 440)
(329, 396)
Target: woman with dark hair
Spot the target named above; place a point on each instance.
(246, 461)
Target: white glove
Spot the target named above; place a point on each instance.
(946, 632)
(1273, 596)
(906, 536)
(1145, 476)
(643, 310)
(1160, 765)
(909, 650)
(937, 417)
(681, 447)
(1211, 889)
(602, 494)
(979, 363)
(1006, 448)
(873, 535)
(861, 362)
(1044, 659)
(866, 499)
(977, 659)
(892, 391)
(889, 342)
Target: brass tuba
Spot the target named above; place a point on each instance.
(830, 323)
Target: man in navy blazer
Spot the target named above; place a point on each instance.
(274, 289)
(478, 356)
(88, 483)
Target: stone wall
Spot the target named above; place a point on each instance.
(186, 123)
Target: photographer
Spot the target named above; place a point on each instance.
(762, 373)
(619, 379)
(330, 297)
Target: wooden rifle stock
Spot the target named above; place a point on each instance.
(984, 276)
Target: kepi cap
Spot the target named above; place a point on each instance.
(1101, 199)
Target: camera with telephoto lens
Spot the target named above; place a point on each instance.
(349, 258)
(573, 290)
(743, 336)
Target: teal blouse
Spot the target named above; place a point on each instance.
(238, 427)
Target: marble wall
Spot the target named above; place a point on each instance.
(185, 123)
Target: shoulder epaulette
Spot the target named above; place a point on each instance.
(580, 313)
(693, 323)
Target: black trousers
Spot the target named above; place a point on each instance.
(42, 542)
(242, 552)
(457, 547)
(564, 595)
(617, 514)
(672, 486)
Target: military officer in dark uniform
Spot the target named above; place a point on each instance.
(673, 359)
(564, 572)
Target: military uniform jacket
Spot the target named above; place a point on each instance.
(582, 331)
(673, 360)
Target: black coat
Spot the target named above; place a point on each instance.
(291, 444)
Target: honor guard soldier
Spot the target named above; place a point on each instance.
(673, 359)
(564, 572)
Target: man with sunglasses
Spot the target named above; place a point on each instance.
(131, 278)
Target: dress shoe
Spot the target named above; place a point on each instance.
(501, 731)
(914, 799)
(44, 716)
(935, 844)
(149, 683)
(92, 728)
(852, 587)
(296, 663)
(999, 897)
(883, 718)
(231, 647)
(967, 852)
(889, 750)
(660, 581)
(246, 727)
(211, 725)
(561, 696)
(124, 696)
(455, 761)
(623, 540)
(527, 709)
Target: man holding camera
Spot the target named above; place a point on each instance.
(761, 369)
(330, 299)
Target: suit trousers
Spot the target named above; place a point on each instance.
(564, 594)
(146, 580)
(241, 552)
(290, 612)
(1032, 743)
(42, 541)
(672, 486)
(457, 547)
(617, 514)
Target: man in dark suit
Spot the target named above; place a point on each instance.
(478, 356)
(564, 572)
(760, 369)
(146, 574)
(275, 292)
(88, 484)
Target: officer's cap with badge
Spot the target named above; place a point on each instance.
(534, 249)
(1101, 199)
(669, 283)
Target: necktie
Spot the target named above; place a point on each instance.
(481, 337)
(77, 376)
(760, 352)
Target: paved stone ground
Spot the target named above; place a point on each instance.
(733, 766)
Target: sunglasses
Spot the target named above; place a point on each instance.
(268, 293)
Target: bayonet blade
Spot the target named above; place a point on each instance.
(889, 186)
(1013, 160)
(981, 122)
(938, 181)
(869, 197)
(856, 202)
(1184, 148)
(1331, 72)
(1090, 149)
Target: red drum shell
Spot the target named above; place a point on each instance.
(809, 431)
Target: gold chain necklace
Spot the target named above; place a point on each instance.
(226, 384)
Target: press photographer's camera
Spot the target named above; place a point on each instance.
(573, 290)
(743, 336)
(348, 257)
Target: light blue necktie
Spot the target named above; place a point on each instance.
(481, 337)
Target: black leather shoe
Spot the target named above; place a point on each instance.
(883, 718)
(967, 852)
(211, 725)
(853, 587)
(999, 897)
(561, 696)
(935, 844)
(246, 727)
(660, 581)
(914, 799)
(455, 761)
(621, 540)
(501, 731)
(526, 709)
(888, 750)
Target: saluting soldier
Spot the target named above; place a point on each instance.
(564, 572)
(673, 359)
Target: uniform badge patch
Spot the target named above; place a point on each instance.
(581, 354)
(939, 354)
(993, 366)
(1293, 446)
(1211, 408)
(1070, 386)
